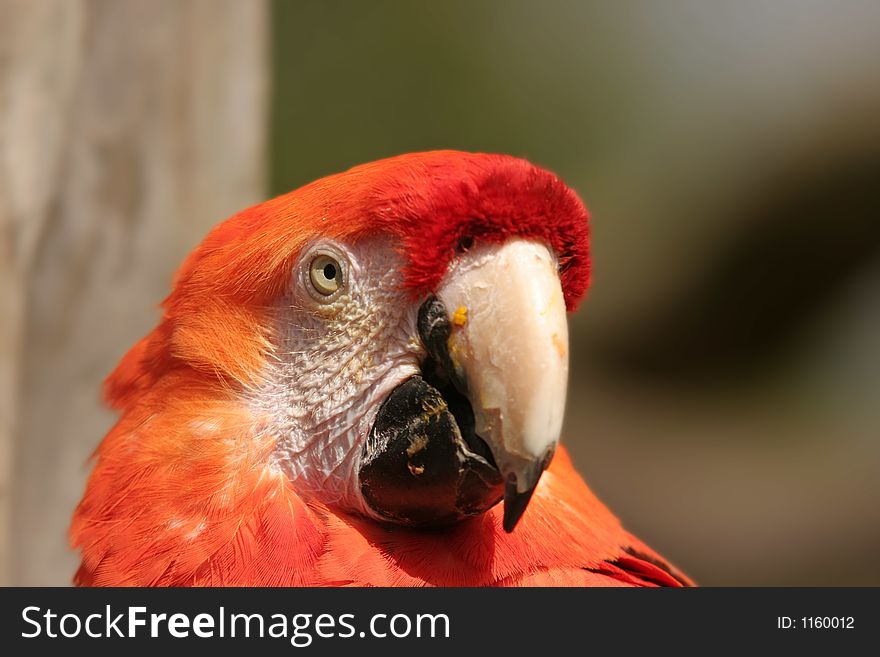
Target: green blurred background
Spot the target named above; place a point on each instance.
(726, 363)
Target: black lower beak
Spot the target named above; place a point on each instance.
(418, 467)
(423, 463)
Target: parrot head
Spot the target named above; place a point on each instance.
(395, 335)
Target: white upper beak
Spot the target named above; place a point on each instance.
(509, 344)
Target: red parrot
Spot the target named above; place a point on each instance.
(346, 381)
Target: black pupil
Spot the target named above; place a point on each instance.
(329, 272)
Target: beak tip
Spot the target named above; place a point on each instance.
(515, 503)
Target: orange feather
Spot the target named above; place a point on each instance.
(184, 490)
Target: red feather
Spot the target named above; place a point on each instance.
(184, 491)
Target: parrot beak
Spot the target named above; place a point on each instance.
(508, 354)
(481, 421)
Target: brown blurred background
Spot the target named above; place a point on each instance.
(725, 393)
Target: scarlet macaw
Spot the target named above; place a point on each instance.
(345, 382)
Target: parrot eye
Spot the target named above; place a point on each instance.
(325, 274)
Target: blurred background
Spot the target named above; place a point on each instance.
(725, 387)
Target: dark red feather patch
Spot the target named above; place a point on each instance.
(434, 200)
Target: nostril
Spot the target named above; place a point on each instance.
(465, 244)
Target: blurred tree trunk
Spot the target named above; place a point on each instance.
(127, 128)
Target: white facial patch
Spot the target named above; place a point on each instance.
(336, 360)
